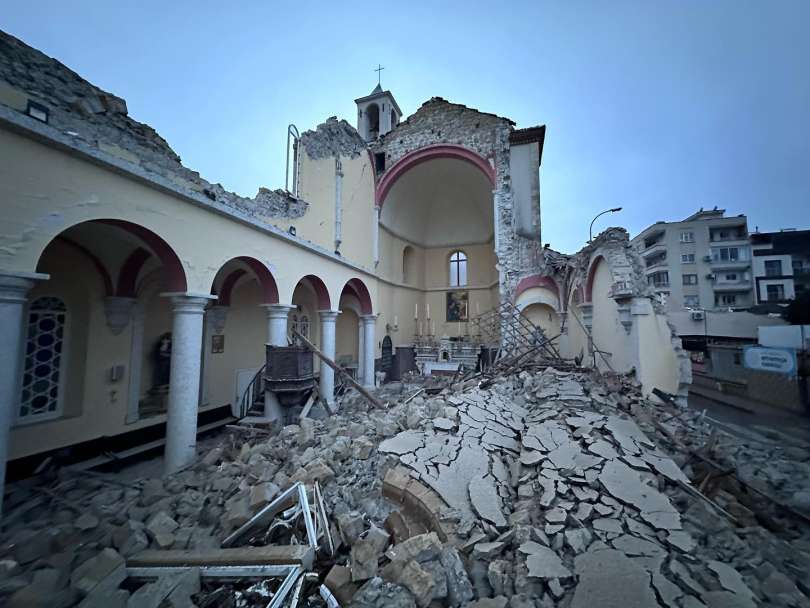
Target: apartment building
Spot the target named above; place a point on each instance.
(702, 262)
(781, 265)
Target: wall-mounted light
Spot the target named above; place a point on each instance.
(38, 111)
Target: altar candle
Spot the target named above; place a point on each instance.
(428, 312)
(396, 320)
(416, 310)
(477, 308)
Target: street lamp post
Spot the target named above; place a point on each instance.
(590, 230)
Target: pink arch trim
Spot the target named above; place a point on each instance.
(321, 292)
(591, 275)
(417, 157)
(174, 275)
(360, 291)
(128, 278)
(537, 280)
(226, 289)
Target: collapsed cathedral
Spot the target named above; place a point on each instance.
(137, 298)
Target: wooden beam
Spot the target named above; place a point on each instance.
(339, 370)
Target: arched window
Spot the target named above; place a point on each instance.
(458, 269)
(408, 270)
(373, 120)
(40, 398)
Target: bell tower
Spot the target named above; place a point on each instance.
(377, 113)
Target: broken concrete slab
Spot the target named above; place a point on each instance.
(609, 579)
(544, 563)
(627, 486)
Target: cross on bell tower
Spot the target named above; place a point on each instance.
(378, 112)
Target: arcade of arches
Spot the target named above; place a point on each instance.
(136, 297)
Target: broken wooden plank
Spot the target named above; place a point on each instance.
(275, 555)
(147, 573)
(371, 398)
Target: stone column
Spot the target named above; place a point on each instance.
(328, 319)
(369, 342)
(277, 315)
(184, 380)
(135, 365)
(13, 290)
(361, 334)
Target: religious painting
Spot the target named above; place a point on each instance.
(457, 306)
(218, 344)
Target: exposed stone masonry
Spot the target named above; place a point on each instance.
(438, 121)
(100, 119)
(333, 138)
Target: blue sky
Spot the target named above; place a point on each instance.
(660, 107)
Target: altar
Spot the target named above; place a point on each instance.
(445, 355)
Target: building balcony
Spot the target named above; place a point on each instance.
(732, 264)
(657, 248)
(736, 286)
(656, 265)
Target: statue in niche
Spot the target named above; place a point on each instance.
(163, 360)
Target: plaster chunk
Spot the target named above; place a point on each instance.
(632, 546)
(403, 443)
(608, 579)
(578, 539)
(666, 467)
(443, 424)
(626, 485)
(546, 564)
(726, 599)
(605, 524)
(668, 591)
(730, 579)
(602, 448)
(485, 500)
(570, 456)
(548, 494)
(531, 458)
(681, 540)
(627, 434)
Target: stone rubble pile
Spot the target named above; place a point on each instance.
(545, 489)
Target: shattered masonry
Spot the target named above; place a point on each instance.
(552, 488)
(99, 119)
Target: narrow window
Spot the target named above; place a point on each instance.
(40, 398)
(379, 162)
(773, 268)
(458, 269)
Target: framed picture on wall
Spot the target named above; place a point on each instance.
(218, 344)
(457, 305)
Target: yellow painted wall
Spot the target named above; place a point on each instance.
(544, 317)
(317, 187)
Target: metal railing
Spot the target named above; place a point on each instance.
(254, 389)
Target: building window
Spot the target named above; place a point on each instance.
(797, 266)
(687, 237)
(687, 258)
(379, 162)
(773, 268)
(691, 301)
(776, 292)
(727, 299)
(42, 373)
(737, 359)
(408, 265)
(690, 279)
(458, 269)
(659, 279)
(731, 276)
(728, 254)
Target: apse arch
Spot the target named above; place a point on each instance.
(433, 152)
(591, 274)
(537, 280)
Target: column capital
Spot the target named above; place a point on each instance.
(275, 311)
(15, 285)
(329, 315)
(188, 302)
(369, 318)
